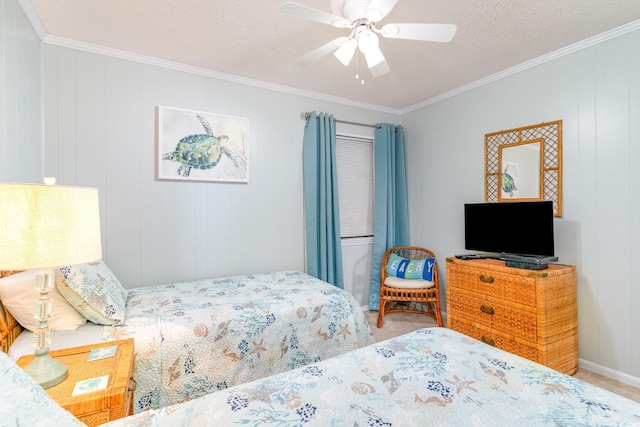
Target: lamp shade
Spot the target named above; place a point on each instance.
(43, 226)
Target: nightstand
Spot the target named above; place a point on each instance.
(95, 407)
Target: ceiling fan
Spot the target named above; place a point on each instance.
(361, 17)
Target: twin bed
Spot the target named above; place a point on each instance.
(194, 338)
(286, 349)
(433, 376)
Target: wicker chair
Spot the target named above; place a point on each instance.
(411, 298)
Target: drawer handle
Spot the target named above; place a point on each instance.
(487, 309)
(486, 279)
(488, 340)
(132, 384)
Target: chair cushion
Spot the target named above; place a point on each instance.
(396, 282)
(410, 269)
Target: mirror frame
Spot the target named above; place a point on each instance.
(550, 136)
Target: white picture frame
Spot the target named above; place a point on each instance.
(201, 146)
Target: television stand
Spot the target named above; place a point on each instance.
(529, 262)
(530, 313)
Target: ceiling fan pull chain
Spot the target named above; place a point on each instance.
(358, 68)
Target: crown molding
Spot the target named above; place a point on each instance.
(34, 19)
(583, 44)
(149, 60)
(36, 23)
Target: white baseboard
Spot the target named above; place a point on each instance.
(609, 373)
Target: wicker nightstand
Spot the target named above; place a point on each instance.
(97, 407)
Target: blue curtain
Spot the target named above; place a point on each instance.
(322, 218)
(390, 211)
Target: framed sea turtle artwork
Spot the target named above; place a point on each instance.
(510, 180)
(200, 146)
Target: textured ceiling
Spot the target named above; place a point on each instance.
(252, 39)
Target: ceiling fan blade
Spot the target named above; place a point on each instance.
(424, 32)
(375, 61)
(313, 14)
(320, 52)
(378, 9)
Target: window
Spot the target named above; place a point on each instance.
(354, 158)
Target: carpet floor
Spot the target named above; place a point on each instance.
(401, 323)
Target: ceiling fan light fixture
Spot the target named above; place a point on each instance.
(367, 42)
(368, 45)
(361, 18)
(379, 69)
(345, 51)
(374, 57)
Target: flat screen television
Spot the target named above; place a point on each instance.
(518, 228)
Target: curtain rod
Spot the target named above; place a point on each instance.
(305, 116)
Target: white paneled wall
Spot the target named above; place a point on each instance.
(20, 97)
(596, 92)
(100, 121)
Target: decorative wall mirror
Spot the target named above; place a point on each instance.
(520, 175)
(525, 164)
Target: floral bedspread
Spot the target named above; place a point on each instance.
(194, 338)
(433, 376)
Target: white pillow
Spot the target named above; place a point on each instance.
(19, 297)
(94, 291)
(84, 335)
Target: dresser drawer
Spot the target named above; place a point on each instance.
(494, 339)
(490, 315)
(509, 287)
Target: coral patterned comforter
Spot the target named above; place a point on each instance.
(194, 338)
(434, 377)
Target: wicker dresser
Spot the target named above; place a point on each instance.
(531, 313)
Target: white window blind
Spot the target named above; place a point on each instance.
(354, 158)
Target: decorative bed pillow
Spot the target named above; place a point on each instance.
(25, 403)
(19, 296)
(409, 269)
(94, 291)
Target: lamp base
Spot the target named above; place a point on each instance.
(47, 371)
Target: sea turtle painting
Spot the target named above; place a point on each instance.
(203, 151)
(508, 183)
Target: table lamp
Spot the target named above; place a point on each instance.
(41, 227)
